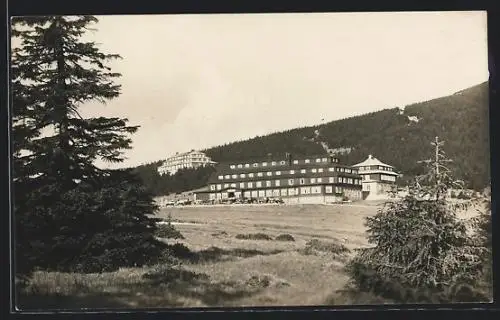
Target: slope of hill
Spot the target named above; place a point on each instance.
(397, 136)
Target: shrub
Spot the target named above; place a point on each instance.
(179, 250)
(315, 246)
(254, 236)
(285, 237)
(168, 231)
(259, 281)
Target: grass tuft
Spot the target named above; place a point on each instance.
(317, 247)
(285, 237)
(254, 236)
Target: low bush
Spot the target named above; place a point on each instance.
(180, 251)
(285, 237)
(254, 236)
(219, 234)
(168, 231)
(315, 246)
(259, 281)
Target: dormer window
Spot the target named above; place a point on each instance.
(307, 161)
(220, 177)
(313, 170)
(324, 160)
(282, 162)
(273, 163)
(264, 164)
(232, 166)
(227, 176)
(259, 174)
(247, 165)
(255, 165)
(318, 160)
(295, 161)
(240, 166)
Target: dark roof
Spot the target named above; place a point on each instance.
(275, 158)
(225, 168)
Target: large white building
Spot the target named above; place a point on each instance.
(377, 178)
(191, 159)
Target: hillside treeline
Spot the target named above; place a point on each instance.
(182, 180)
(460, 120)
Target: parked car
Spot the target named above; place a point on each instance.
(169, 203)
(183, 202)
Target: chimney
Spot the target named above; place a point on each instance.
(289, 158)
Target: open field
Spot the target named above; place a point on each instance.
(228, 271)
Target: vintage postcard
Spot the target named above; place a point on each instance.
(242, 160)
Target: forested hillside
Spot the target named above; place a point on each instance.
(399, 136)
(182, 180)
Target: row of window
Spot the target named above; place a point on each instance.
(276, 163)
(186, 161)
(278, 173)
(382, 177)
(277, 183)
(280, 192)
(367, 168)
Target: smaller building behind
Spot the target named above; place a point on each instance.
(192, 159)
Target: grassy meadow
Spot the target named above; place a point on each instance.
(228, 265)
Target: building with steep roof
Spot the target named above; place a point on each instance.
(192, 159)
(309, 179)
(378, 178)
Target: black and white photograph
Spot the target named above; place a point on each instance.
(250, 160)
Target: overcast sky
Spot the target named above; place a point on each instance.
(195, 81)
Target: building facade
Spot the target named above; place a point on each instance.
(313, 179)
(378, 178)
(193, 159)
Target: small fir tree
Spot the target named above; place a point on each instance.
(421, 251)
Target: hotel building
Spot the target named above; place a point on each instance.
(192, 159)
(312, 179)
(378, 178)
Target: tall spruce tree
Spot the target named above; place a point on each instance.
(70, 214)
(421, 251)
